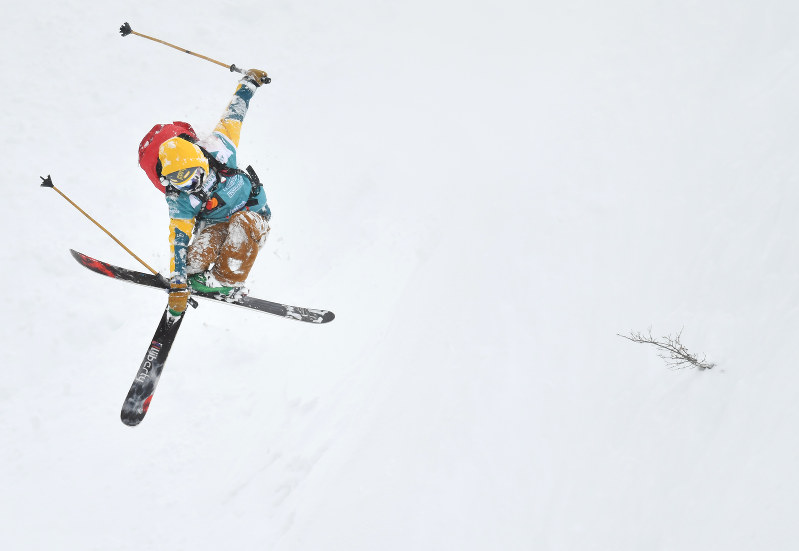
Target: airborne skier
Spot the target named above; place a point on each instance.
(209, 197)
(222, 206)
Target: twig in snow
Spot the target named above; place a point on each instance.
(671, 350)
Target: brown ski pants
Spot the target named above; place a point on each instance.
(230, 246)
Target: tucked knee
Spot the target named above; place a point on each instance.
(253, 225)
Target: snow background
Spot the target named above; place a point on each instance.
(485, 194)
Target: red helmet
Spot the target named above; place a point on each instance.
(148, 148)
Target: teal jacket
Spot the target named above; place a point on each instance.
(221, 196)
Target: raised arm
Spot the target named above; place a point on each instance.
(230, 123)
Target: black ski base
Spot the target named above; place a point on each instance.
(141, 391)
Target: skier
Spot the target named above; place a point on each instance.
(209, 197)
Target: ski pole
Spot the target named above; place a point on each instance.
(47, 182)
(125, 30)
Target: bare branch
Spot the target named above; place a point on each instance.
(673, 352)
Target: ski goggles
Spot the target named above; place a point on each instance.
(185, 177)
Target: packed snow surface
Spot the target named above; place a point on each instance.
(486, 194)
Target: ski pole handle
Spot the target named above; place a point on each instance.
(125, 30)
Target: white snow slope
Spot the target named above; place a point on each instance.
(486, 194)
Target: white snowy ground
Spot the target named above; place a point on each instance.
(485, 193)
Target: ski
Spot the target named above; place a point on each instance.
(298, 313)
(141, 391)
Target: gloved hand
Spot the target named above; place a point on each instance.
(257, 77)
(178, 298)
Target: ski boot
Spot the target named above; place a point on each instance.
(205, 282)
